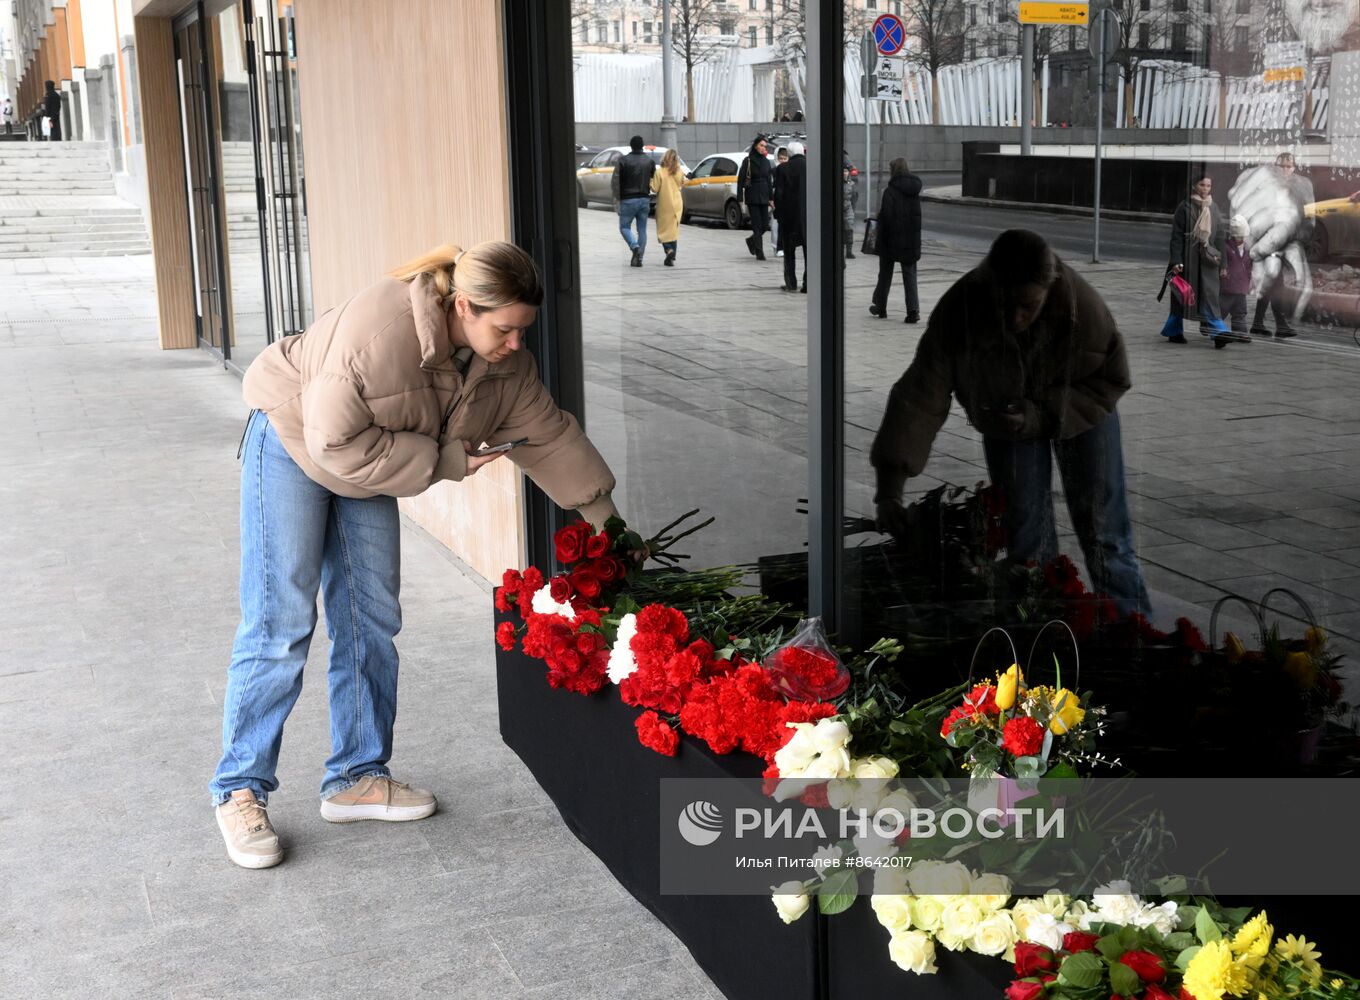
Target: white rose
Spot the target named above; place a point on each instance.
(815, 751)
(926, 912)
(961, 918)
(1053, 902)
(543, 604)
(1122, 910)
(1164, 918)
(874, 767)
(900, 802)
(839, 794)
(621, 661)
(795, 755)
(940, 878)
(890, 882)
(993, 891)
(1044, 929)
(831, 735)
(994, 934)
(913, 951)
(1024, 913)
(791, 900)
(870, 845)
(828, 764)
(893, 912)
(827, 858)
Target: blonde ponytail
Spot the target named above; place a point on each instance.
(492, 274)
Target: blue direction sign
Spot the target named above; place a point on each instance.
(890, 34)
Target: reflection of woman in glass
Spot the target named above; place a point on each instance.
(1197, 238)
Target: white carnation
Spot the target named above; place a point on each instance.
(1046, 929)
(621, 661)
(543, 604)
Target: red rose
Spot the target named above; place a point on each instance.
(1021, 990)
(561, 589)
(570, 542)
(1022, 736)
(1155, 992)
(1076, 942)
(654, 734)
(1031, 959)
(597, 546)
(608, 569)
(1148, 966)
(505, 635)
(1185, 994)
(587, 584)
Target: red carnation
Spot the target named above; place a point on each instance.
(654, 734)
(587, 584)
(661, 619)
(1076, 942)
(505, 635)
(597, 546)
(1148, 966)
(952, 719)
(570, 542)
(1022, 736)
(1155, 992)
(815, 797)
(1021, 990)
(983, 699)
(561, 589)
(1031, 959)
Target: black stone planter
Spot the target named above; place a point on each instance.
(585, 754)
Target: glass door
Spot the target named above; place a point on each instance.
(201, 184)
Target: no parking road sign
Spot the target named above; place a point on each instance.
(890, 34)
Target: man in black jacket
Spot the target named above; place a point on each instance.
(632, 187)
(899, 239)
(755, 187)
(52, 108)
(790, 208)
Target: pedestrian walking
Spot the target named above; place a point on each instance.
(781, 157)
(667, 184)
(1235, 277)
(632, 188)
(899, 239)
(755, 187)
(790, 208)
(1033, 356)
(847, 217)
(51, 109)
(1197, 239)
(385, 395)
(7, 113)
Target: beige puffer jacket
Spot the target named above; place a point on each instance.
(364, 399)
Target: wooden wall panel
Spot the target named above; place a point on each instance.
(168, 208)
(403, 124)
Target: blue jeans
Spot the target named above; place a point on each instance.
(1175, 325)
(296, 537)
(1092, 469)
(630, 210)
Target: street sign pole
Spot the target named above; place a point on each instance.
(1026, 87)
(889, 37)
(867, 51)
(1100, 121)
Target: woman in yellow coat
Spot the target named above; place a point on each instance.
(670, 203)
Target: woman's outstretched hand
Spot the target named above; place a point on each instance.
(475, 462)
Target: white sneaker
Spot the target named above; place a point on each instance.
(779, 253)
(376, 796)
(251, 840)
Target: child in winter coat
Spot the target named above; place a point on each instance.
(1235, 275)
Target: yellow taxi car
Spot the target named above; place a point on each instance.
(711, 190)
(593, 178)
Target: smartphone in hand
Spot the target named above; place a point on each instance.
(497, 449)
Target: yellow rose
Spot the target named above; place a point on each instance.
(960, 920)
(1301, 670)
(992, 891)
(1008, 686)
(1067, 712)
(1233, 648)
(1314, 640)
(791, 900)
(926, 912)
(994, 935)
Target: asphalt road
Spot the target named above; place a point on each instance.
(971, 227)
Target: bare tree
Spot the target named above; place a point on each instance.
(690, 21)
(1132, 19)
(621, 12)
(938, 27)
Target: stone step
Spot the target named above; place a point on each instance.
(44, 190)
(77, 250)
(16, 215)
(72, 235)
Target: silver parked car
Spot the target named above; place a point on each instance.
(711, 190)
(593, 178)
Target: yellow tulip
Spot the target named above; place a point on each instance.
(1007, 687)
(1233, 648)
(1301, 669)
(1314, 640)
(1067, 712)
